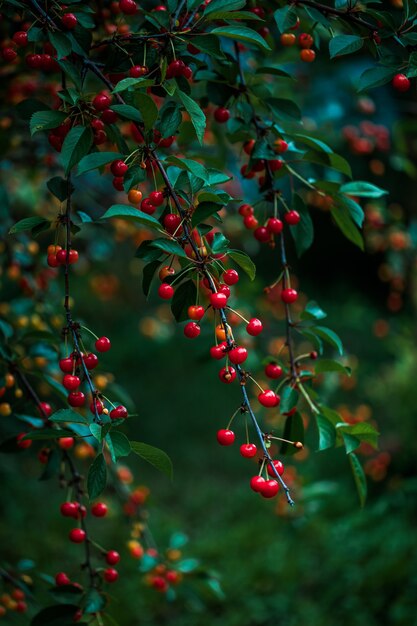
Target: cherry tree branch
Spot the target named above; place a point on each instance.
(347, 15)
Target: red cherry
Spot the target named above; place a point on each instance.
(231, 277)
(98, 407)
(109, 117)
(61, 579)
(120, 412)
(250, 222)
(97, 124)
(34, 61)
(288, 296)
(76, 398)
(90, 360)
(77, 535)
(256, 483)
(262, 234)
(224, 289)
(196, 312)
(23, 443)
(401, 83)
(118, 183)
(258, 166)
(274, 225)
(292, 218)
(110, 574)
(147, 206)
(66, 365)
(192, 330)
(281, 146)
(218, 352)
(69, 509)
(272, 370)
(9, 54)
(245, 210)
(187, 72)
(174, 68)
(156, 198)
(222, 115)
(71, 382)
(165, 291)
(254, 327)
(99, 509)
(128, 7)
(278, 466)
(268, 398)
(20, 38)
(171, 222)
(275, 165)
(73, 257)
(45, 408)
(52, 260)
(61, 257)
(225, 437)
(101, 102)
(238, 355)
(248, 146)
(66, 443)
(218, 300)
(227, 375)
(248, 450)
(112, 557)
(269, 488)
(69, 21)
(103, 344)
(138, 70)
(118, 168)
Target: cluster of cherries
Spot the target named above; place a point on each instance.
(56, 256)
(273, 226)
(367, 137)
(14, 601)
(304, 41)
(78, 511)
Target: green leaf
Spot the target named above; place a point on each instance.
(148, 274)
(48, 433)
(46, 120)
(127, 212)
(52, 466)
(94, 602)
(188, 565)
(148, 109)
(364, 431)
(289, 399)
(313, 311)
(55, 615)
(285, 18)
(26, 108)
(330, 365)
(170, 119)
(241, 33)
(203, 211)
(355, 210)
(359, 478)
(375, 77)
(95, 160)
(76, 145)
(286, 110)
(68, 415)
(220, 244)
(342, 217)
(97, 477)
(192, 166)
(28, 223)
(61, 43)
(156, 457)
(185, 295)
(275, 70)
(344, 44)
(293, 431)
(303, 232)
(170, 247)
(330, 337)
(244, 261)
(198, 119)
(120, 445)
(58, 186)
(312, 142)
(128, 112)
(127, 83)
(218, 5)
(362, 189)
(209, 44)
(327, 432)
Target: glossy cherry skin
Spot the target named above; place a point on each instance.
(218, 300)
(289, 296)
(273, 370)
(278, 466)
(230, 277)
(248, 450)
(256, 483)
(268, 398)
(254, 327)
(238, 355)
(269, 489)
(103, 344)
(227, 375)
(77, 535)
(225, 437)
(120, 412)
(112, 557)
(110, 575)
(99, 509)
(192, 330)
(165, 291)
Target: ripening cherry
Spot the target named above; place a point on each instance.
(307, 55)
(219, 351)
(99, 509)
(69, 21)
(289, 296)
(192, 330)
(128, 7)
(77, 535)
(134, 196)
(118, 167)
(66, 443)
(250, 222)
(248, 146)
(62, 579)
(112, 557)
(137, 71)
(90, 360)
(71, 382)
(23, 444)
(268, 398)
(225, 437)
(288, 39)
(165, 271)
(227, 375)
(66, 365)
(292, 218)
(218, 300)
(165, 291)
(103, 344)
(156, 198)
(273, 370)
(69, 509)
(222, 115)
(52, 260)
(196, 312)
(274, 225)
(269, 488)
(238, 355)
(278, 466)
(254, 327)
(262, 234)
(305, 40)
(248, 450)
(280, 146)
(119, 412)
(110, 575)
(76, 399)
(101, 101)
(401, 83)
(256, 483)
(230, 277)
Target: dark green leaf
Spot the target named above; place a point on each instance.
(120, 445)
(198, 119)
(94, 602)
(313, 311)
(58, 186)
(303, 232)
(169, 246)
(148, 274)
(170, 119)
(95, 160)
(61, 43)
(28, 223)
(76, 145)
(127, 111)
(341, 216)
(48, 433)
(220, 244)
(26, 108)
(329, 365)
(68, 415)
(185, 295)
(327, 432)
(289, 399)
(359, 477)
(241, 33)
(375, 77)
(330, 337)
(203, 211)
(244, 261)
(293, 431)
(127, 212)
(55, 615)
(97, 477)
(285, 18)
(46, 120)
(156, 457)
(148, 109)
(192, 166)
(344, 44)
(362, 189)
